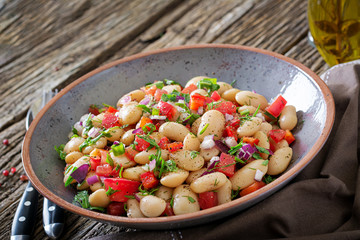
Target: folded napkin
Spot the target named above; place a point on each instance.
(322, 202)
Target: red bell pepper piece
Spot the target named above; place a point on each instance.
(277, 106)
(250, 140)
(149, 180)
(216, 96)
(123, 187)
(289, 137)
(277, 134)
(252, 188)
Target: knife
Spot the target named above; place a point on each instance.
(53, 215)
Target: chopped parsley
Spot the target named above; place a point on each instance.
(204, 129)
(118, 149)
(60, 151)
(209, 84)
(109, 160)
(193, 154)
(190, 199)
(82, 199)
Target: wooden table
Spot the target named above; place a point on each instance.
(49, 44)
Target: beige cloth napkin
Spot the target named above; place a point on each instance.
(322, 202)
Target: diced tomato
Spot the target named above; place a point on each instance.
(216, 96)
(110, 120)
(277, 134)
(144, 121)
(150, 90)
(189, 89)
(168, 210)
(272, 147)
(159, 93)
(252, 188)
(277, 106)
(208, 100)
(173, 147)
(130, 153)
(141, 145)
(149, 180)
(196, 101)
(226, 165)
(93, 109)
(116, 209)
(123, 188)
(208, 200)
(163, 142)
(111, 110)
(104, 170)
(166, 109)
(235, 123)
(250, 140)
(94, 162)
(103, 155)
(225, 107)
(289, 137)
(230, 132)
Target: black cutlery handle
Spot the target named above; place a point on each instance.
(53, 219)
(24, 220)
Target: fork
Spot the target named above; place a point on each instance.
(53, 216)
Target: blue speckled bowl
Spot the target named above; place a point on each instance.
(254, 69)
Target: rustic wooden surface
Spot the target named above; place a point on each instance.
(48, 44)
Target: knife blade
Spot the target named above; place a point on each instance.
(24, 219)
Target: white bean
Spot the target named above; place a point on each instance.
(185, 200)
(99, 198)
(116, 133)
(128, 137)
(230, 94)
(133, 173)
(207, 154)
(73, 145)
(122, 160)
(223, 87)
(133, 209)
(212, 123)
(152, 206)
(174, 179)
(171, 88)
(280, 160)
(194, 175)
(251, 99)
(136, 95)
(191, 142)
(249, 127)
(263, 142)
(130, 113)
(73, 157)
(174, 131)
(209, 182)
(288, 118)
(224, 193)
(245, 176)
(185, 160)
(164, 193)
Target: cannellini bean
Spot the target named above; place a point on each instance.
(223, 87)
(73, 145)
(133, 173)
(195, 80)
(152, 206)
(212, 123)
(209, 182)
(251, 99)
(174, 131)
(136, 95)
(207, 154)
(224, 193)
(183, 158)
(99, 198)
(194, 175)
(128, 137)
(263, 142)
(96, 120)
(171, 88)
(133, 209)
(265, 127)
(280, 160)
(143, 157)
(116, 133)
(202, 92)
(174, 179)
(157, 136)
(191, 142)
(245, 176)
(73, 157)
(96, 186)
(281, 144)
(185, 200)
(122, 160)
(195, 126)
(230, 94)
(251, 109)
(130, 113)
(288, 118)
(164, 193)
(249, 127)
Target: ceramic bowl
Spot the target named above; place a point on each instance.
(265, 72)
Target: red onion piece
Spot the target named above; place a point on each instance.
(246, 151)
(94, 132)
(145, 100)
(80, 173)
(138, 130)
(222, 146)
(228, 117)
(180, 98)
(200, 110)
(210, 168)
(138, 196)
(102, 178)
(92, 180)
(78, 127)
(125, 99)
(116, 142)
(208, 142)
(152, 165)
(157, 117)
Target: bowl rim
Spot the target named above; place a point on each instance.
(137, 222)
